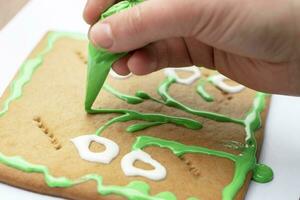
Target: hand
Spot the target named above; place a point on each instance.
(254, 42)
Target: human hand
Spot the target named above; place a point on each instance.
(256, 43)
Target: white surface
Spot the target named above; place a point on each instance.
(281, 149)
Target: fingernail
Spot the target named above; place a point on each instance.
(101, 35)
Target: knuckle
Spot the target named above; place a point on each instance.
(135, 20)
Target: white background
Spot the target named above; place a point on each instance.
(281, 148)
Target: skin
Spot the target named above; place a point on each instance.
(254, 42)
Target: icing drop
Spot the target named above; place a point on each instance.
(82, 144)
(158, 173)
(218, 81)
(171, 72)
(177, 148)
(262, 173)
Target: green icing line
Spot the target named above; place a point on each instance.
(153, 118)
(99, 65)
(29, 67)
(177, 148)
(128, 98)
(193, 198)
(170, 101)
(202, 92)
(138, 127)
(22, 165)
(133, 191)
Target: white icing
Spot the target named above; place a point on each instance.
(218, 80)
(187, 81)
(158, 173)
(82, 144)
(117, 76)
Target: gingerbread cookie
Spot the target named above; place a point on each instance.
(175, 134)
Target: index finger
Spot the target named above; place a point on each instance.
(94, 8)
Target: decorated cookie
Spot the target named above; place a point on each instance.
(71, 127)
(173, 134)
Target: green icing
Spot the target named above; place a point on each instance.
(177, 148)
(138, 127)
(202, 92)
(28, 68)
(128, 98)
(262, 173)
(129, 115)
(244, 163)
(193, 198)
(100, 60)
(99, 65)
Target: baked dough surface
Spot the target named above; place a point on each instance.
(53, 101)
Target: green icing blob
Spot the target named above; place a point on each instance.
(262, 173)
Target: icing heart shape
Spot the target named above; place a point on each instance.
(187, 81)
(158, 173)
(82, 144)
(218, 80)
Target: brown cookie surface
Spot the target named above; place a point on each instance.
(39, 125)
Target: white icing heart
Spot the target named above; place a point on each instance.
(187, 81)
(158, 173)
(218, 80)
(82, 144)
(117, 76)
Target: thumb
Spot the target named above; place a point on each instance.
(144, 23)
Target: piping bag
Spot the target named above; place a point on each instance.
(100, 60)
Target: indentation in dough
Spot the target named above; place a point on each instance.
(229, 98)
(192, 168)
(81, 57)
(52, 138)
